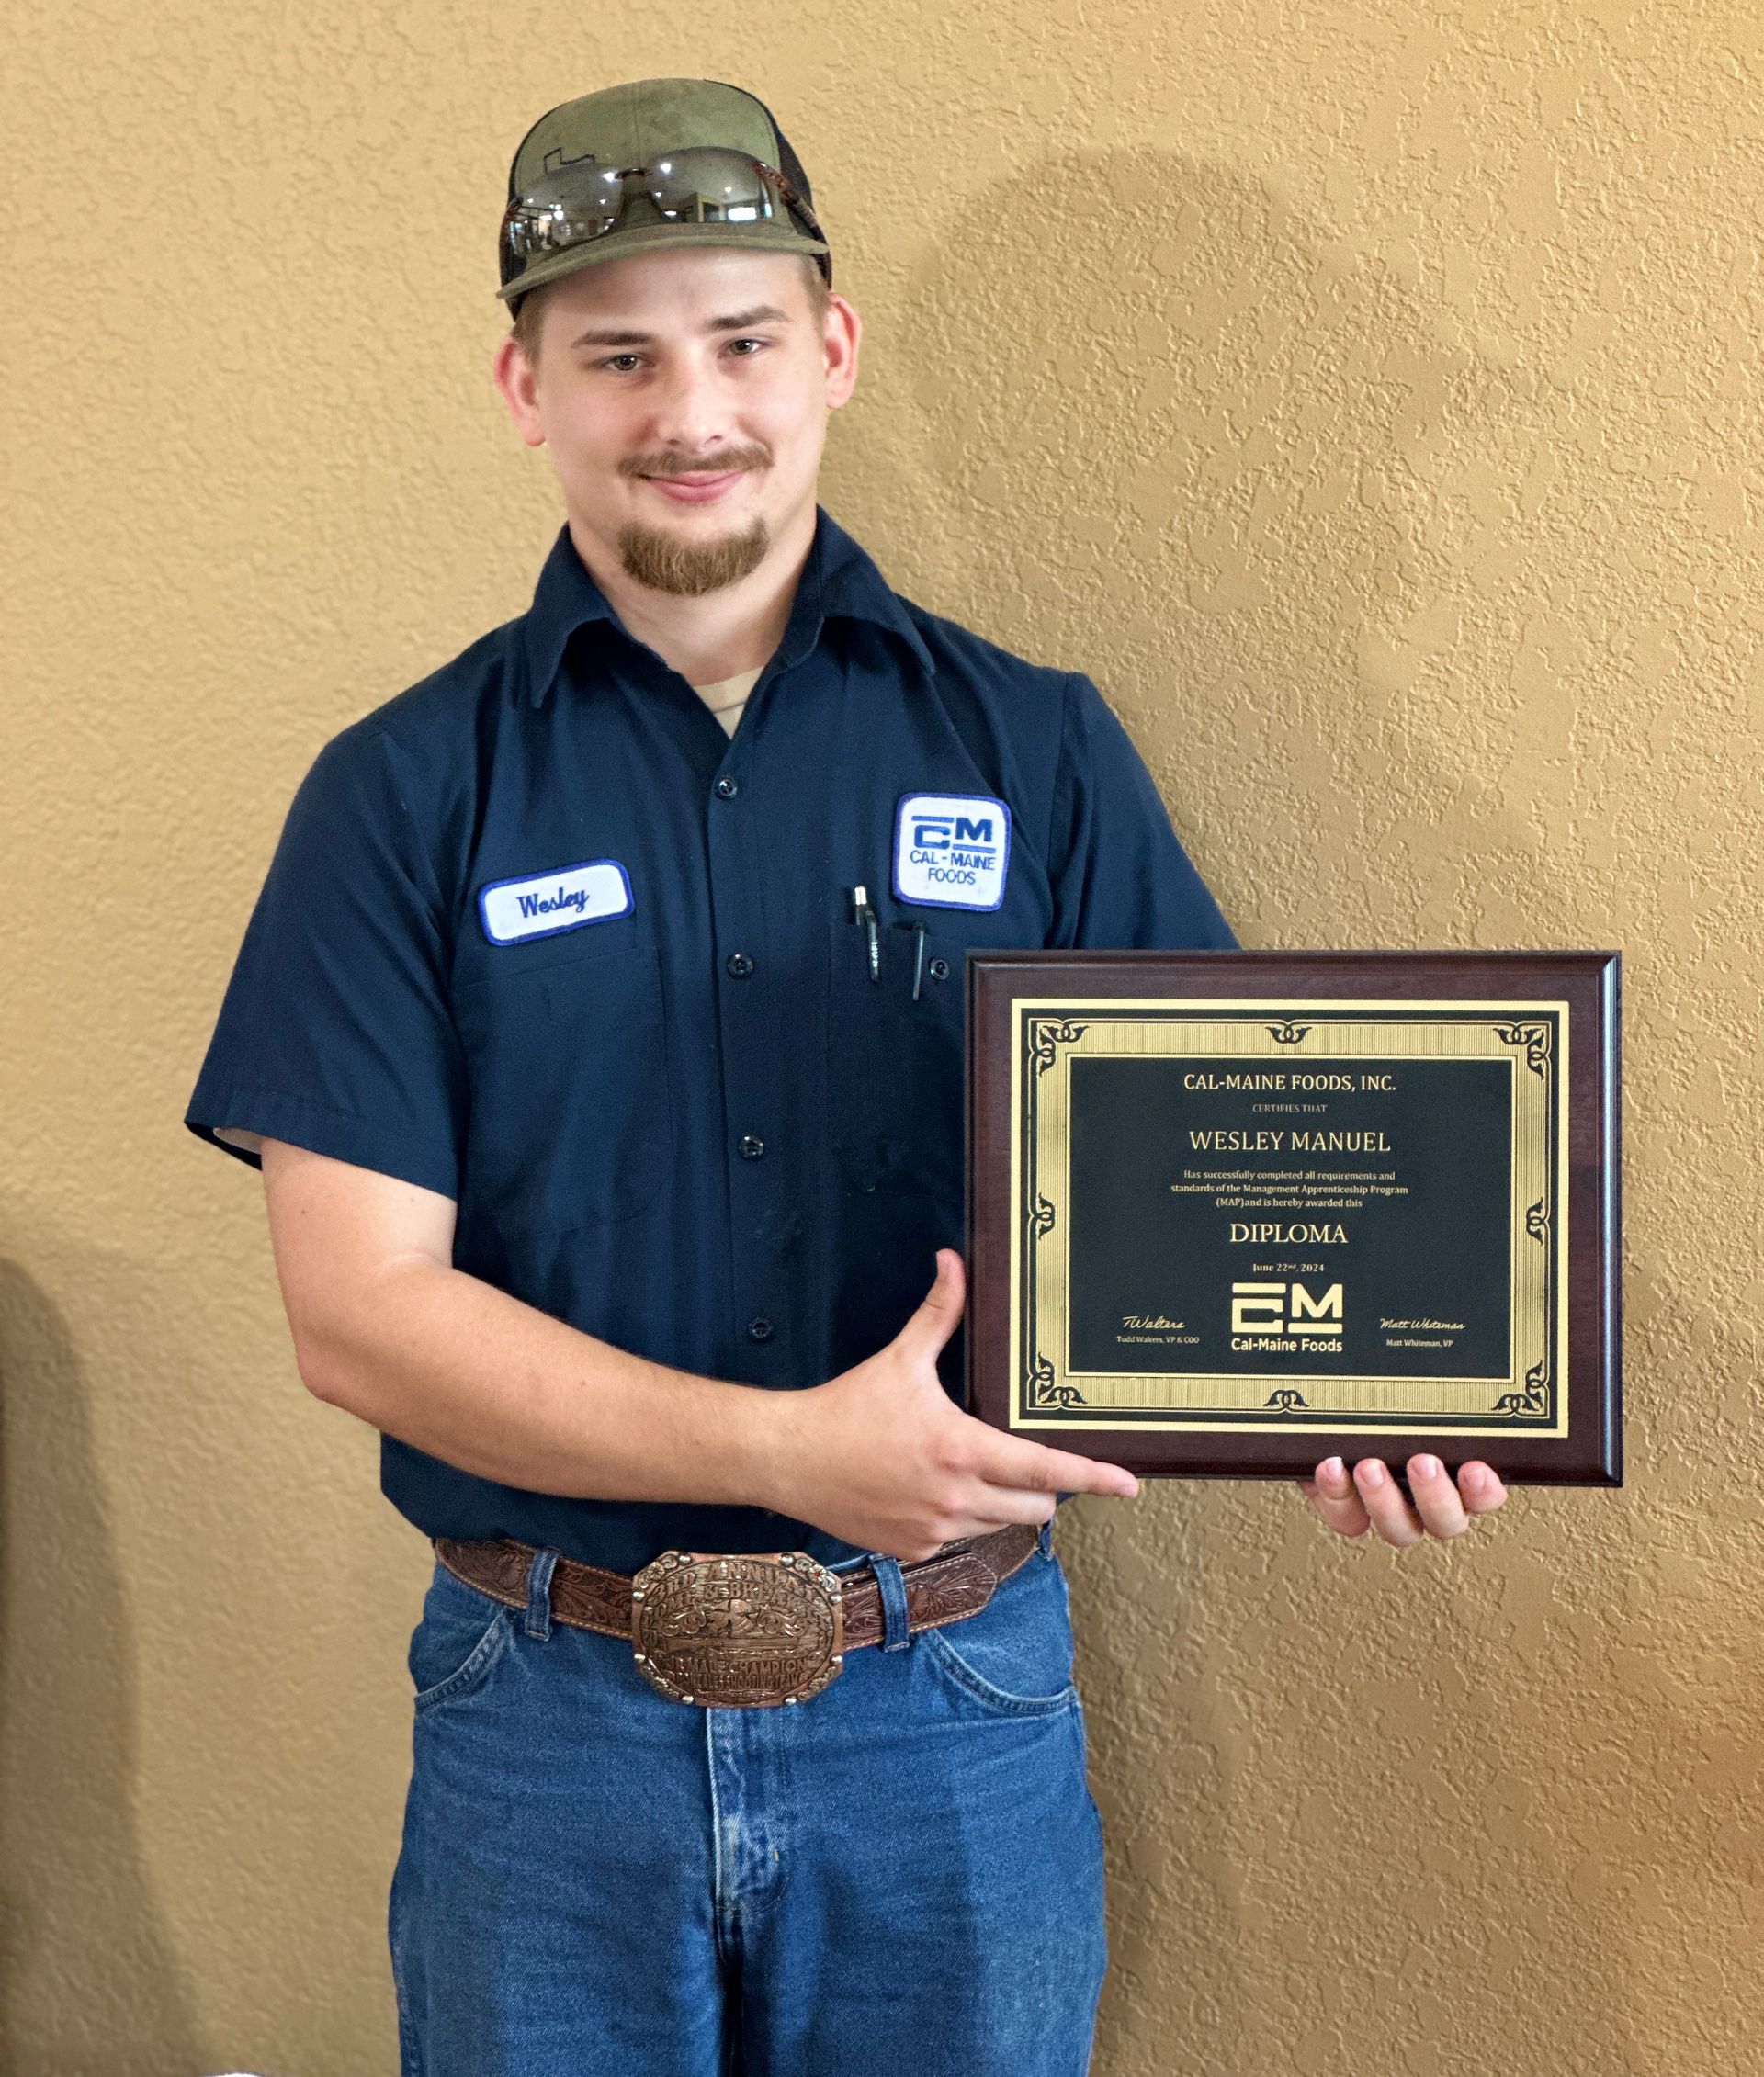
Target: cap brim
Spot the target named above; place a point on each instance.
(657, 237)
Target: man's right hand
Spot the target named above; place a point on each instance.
(882, 1457)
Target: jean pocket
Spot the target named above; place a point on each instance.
(1015, 1658)
(459, 1639)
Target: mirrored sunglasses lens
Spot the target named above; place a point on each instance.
(562, 209)
(704, 184)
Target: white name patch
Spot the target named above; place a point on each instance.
(951, 850)
(547, 902)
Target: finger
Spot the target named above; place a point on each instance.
(1020, 1466)
(1332, 1496)
(993, 1505)
(1392, 1515)
(1436, 1498)
(939, 1311)
(1480, 1487)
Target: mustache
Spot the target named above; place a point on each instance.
(735, 458)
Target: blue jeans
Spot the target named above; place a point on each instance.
(902, 1876)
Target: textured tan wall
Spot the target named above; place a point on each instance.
(1366, 395)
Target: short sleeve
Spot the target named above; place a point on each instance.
(1121, 878)
(336, 1032)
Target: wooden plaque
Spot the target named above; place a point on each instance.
(1231, 1212)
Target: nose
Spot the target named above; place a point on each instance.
(689, 419)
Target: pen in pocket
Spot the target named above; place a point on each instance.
(863, 913)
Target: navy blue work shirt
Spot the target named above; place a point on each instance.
(538, 935)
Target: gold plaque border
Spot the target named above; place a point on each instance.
(1532, 1399)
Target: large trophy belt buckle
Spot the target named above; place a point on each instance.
(748, 1630)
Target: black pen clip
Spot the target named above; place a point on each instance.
(918, 930)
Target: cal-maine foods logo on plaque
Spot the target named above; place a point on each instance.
(1281, 1318)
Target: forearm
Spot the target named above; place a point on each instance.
(459, 1368)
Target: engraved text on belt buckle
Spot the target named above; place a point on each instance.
(746, 1631)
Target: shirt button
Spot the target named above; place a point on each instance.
(760, 1330)
(739, 964)
(752, 1148)
(726, 788)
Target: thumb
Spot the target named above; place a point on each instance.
(940, 1312)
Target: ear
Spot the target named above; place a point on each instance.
(520, 389)
(842, 336)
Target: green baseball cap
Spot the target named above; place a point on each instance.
(652, 164)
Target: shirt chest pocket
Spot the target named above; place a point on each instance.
(571, 1123)
(895, 1063)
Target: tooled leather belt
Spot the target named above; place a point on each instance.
(746, 1630)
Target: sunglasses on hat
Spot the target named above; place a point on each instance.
(698, 183)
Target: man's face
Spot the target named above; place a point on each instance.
(684, 397)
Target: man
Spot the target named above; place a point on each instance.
(599, 1036)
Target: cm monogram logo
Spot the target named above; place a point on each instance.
(1286, 1309)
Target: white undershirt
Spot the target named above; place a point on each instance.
(728, 696)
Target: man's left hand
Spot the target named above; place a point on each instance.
(1371, 1498)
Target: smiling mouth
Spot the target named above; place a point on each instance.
(696, 489)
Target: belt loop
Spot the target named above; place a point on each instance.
(895, 1633)
(539, 1593)
(1044, 1541)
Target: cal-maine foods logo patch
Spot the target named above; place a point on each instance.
(548, 902)
(951, 850)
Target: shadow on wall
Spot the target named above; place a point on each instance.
(73, 1874)
(1178, 436)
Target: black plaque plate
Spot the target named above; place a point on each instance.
(1232, 1213)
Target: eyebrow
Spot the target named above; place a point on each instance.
(741, 320)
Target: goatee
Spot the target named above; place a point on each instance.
(689, 568)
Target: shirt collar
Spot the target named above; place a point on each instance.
(839, 581)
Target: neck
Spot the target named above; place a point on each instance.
(719, 634)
